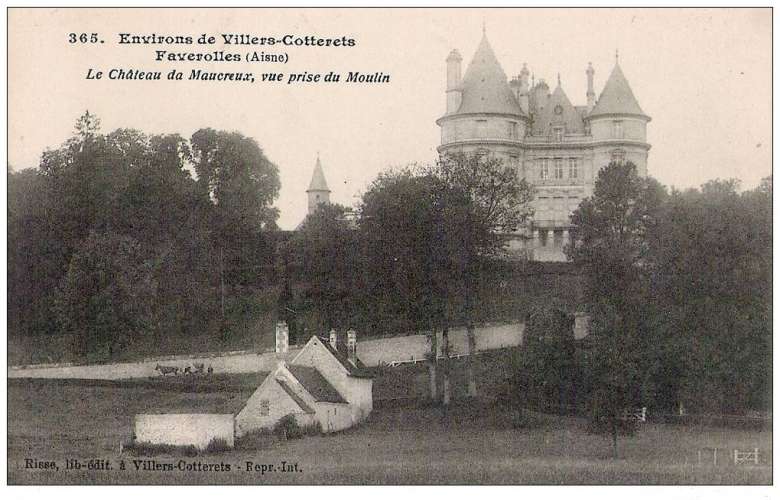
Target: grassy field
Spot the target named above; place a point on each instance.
(472, 444)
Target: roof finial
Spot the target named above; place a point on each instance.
(616, 56)
(559, 79)
(484, 28)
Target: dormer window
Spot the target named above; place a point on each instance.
(512, 130)
(558, 134)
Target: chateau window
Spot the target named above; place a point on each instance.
(617, 129)
(543, 237)
(619, 156)
(481, 128)
(265, 407)
(558, 134)
(512, 131)
(559, 168)
(514, 162)
(544, 172)
(573, 173)
(558, 238)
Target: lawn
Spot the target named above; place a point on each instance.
(472, 444)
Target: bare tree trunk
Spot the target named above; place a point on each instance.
(472, 343)
(222, 280)
(470, 332)
(445, 338)
(432, 366)
(614, 439)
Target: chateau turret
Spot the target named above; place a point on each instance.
(552, 143)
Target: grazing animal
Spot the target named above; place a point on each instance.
(187, 370)
(165, 370)
(198, 367)
(211, 370)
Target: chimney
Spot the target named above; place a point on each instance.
(333, 338)
(352, 346)
(523, 90)
(454, 91)
(282, 337)
(591, 95)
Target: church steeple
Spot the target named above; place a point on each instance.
(318, 191)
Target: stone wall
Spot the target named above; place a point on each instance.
(371, 352)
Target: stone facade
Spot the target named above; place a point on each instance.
(556, 146)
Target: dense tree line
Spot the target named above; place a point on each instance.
(679, 289)
(113, 241)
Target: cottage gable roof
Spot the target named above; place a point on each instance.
(617, 97)
(315, 384)
(318, 182)
(357, 369)
(484, 86)
(298, 400)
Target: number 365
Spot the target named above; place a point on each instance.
(83, 37)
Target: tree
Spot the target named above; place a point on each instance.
(325, 256)
(546, 375)
(107, 295)
(401, 232)
(711, 280)
(609, 235)
(234, 173)
(487, 200)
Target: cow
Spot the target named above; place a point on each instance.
(165, 370)
(187, 370)
(198, 367)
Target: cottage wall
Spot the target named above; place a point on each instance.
(279, 404)
(183, 429)
(334, 417)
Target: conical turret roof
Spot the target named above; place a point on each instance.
(318, 182)
(484, 87)
(617, 97)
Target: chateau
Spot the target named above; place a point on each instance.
(556, 146)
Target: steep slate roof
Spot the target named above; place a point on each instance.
(318, 179)
(316, 385)
(617, 97)
(357, 369)
(569, 118)
(290, 392)
(484, 86)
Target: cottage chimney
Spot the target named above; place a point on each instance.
(282, 337)
(334, 339)
(352, 346)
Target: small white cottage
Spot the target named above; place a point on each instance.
(325, 382)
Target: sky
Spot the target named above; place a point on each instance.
(703, 75)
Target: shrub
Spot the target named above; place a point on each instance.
(217, 445)
(314, 429)
(255, 440)
(153, 449)
(287, 428)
